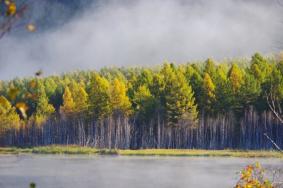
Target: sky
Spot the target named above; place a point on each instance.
(89, 35)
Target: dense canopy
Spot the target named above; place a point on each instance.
(177, 92)
(178, 95)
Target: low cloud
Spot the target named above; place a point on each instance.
(144, 32)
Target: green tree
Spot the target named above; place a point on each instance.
(50, 86)
(145, 78)
(250, 90)
(223, 90)
(179, 98)
(99, 97)
(208, 93)
(259, 67)
(194, 79)
(144, 103)
(276, 81)
(43, 108)
(210, 68)
(274, 91)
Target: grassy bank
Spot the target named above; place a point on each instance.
(143, 152)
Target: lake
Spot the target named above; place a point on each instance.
(78, 171)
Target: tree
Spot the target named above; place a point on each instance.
(50, 86)
(8, 115)
(137, 79)
(250, 90)
(157, 87)
(223, 90)
(274, 96)
(80, 96)
(81, 100)
(179, 98)
(210, 68)
(43, 108)
(145, 78)
(208, 92)
(144, 103)
(68, 102)
(259, 67)
(235, 76)
(120, 102)
(100, 104)
(274, 92)
(194, 79)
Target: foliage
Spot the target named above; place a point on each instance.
(260, 67)
(43, 108)
(253, 176)
(100, 97)
(68, 102)
(208, 92)
(12, 12)
(32, 185)
(120, 102)
(178, 97)
(178, 94)
(144, 103)
(235, 76)
(8, 115)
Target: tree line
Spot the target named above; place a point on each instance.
(178, 96)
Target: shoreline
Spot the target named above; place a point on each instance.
(204, 153)
(73, 150)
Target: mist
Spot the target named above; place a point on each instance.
(141, 33)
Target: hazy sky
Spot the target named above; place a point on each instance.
(142, 32)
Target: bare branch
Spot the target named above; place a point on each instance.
(9, 22)
(271, 104)
(276, 146)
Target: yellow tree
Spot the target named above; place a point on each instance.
(68, 102)
(8, 114)
(119, 100)
(80, 97)
(81, 100)
(210, 68)
(236, 78)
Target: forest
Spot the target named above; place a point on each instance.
(208, 105)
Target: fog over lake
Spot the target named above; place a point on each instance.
(58, 171)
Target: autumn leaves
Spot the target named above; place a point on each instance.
(252, 176)
(11, 8)
(16, 105)
(177, 94)
(11, 13)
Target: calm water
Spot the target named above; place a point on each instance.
(58, 171)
